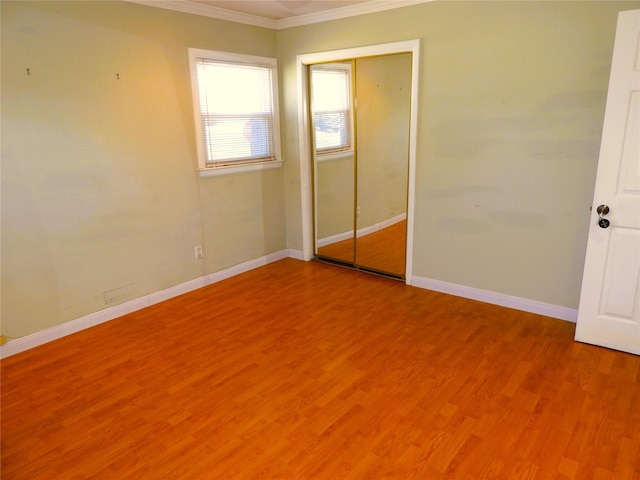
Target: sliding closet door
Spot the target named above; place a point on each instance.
(333, 160)
(360, 117)
(383, 99)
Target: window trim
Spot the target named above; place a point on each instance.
(224, 167)
(339, 155)
(340, 151)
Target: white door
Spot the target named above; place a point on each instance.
(609, 311)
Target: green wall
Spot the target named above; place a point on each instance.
(101, 201)
(511, 104)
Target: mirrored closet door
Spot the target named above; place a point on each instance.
(360, 115)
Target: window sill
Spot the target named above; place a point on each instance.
(323, 157)
(218, 171)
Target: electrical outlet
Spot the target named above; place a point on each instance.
(198, 252)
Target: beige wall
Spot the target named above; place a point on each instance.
(511, 103)
(101, 202)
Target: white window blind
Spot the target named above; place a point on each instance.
(235, 111)
(331, 109)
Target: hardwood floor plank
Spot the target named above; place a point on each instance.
(302, 370)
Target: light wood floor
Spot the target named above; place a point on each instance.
(308, 371)
(383, 250)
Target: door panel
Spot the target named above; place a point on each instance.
(609, 311)
(333, 160)
(383, 95)
(619, 296)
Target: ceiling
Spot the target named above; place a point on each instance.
(278, 13)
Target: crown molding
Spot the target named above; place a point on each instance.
(186, 6)
(344, 12)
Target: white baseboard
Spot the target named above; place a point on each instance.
(338, 237)
(27, 342)
(517, 303)
(297, 254)
(245, 267)
(39, 338)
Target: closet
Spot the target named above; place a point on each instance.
(360, 112)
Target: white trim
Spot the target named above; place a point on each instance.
(15, 346)
(44, 336)
(27, 342)
(217, 55)
(297, 254)
(383, 224)
(182, 288)
(345, 12)
(408, 46)
(347, 147)
(218, 171)
(495, 298)
(335, 238)
(245, 267)
(306, 191)
(341, 155)
(208, 170)
(411, 181)
(186, 6)
(338, 237)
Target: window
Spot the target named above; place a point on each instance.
(331, 103)
(235, 104)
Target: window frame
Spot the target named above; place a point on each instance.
(340, 151)
(223, 167)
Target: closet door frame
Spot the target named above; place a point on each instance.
(304, 134)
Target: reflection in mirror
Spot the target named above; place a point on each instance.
(333, 160)
(361, 161)
(383, 90)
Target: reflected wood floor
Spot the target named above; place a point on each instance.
(381, 250)
(307, 371)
